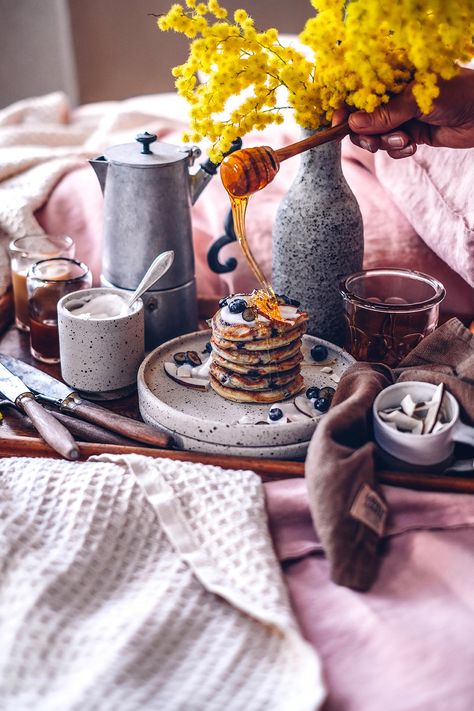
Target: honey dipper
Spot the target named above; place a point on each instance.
(251, 169)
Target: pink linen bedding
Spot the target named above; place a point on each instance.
(407, 644)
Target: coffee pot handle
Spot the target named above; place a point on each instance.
(211, 168)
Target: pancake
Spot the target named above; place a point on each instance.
(260, 344)
(256, 358)
(249, 369)
(233, 327)
(271, 356)
(258, 396)
(238, 381)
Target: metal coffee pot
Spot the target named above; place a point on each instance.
(148, 193)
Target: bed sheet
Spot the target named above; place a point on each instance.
(406, 644)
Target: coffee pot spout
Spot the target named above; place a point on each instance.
(100, 165)
(206, 172)
(199, 180)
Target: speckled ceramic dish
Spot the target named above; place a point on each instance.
(202, 418)
(284, 451)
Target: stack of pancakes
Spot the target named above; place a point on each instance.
(257, 361)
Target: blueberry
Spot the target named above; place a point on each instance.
(237, 306)
(319, 352)
(193, 358)
(222, 303)
(327, 392)
(312, 392)
(275, 414)
(180, 358)
(249, 314)
(208, 347)
(322, 404)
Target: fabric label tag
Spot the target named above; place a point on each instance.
(369, 508)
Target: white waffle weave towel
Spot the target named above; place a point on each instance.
(136, 583)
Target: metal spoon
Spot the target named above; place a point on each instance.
(155, 271)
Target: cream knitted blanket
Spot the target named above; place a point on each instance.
(139, 584)
(42, 139)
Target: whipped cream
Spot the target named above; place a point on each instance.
(289, 313)
(196, 371)
(202, 371)
(188, 375)
(290, 414)
(100, 307)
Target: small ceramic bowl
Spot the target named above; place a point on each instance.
(100, 357)
(419, 449)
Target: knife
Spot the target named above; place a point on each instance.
(52, 431)
(52, 391)
(87, 432)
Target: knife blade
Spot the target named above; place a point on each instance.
(53, 391)
(52, 431)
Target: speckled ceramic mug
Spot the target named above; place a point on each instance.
(100, 357)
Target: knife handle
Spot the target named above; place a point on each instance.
(133, 429)
(52, 431)
(87, 432)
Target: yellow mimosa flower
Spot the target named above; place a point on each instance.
(358, 52)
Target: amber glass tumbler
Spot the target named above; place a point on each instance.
(388, 312)
(47, 282)
(25, 251)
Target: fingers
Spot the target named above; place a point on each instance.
(397, 144)
(385, 118)
(403, 152)
(339, 116)
(384, 129)
(388, 128)
(368, 143)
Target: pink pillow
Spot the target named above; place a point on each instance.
(434, 191)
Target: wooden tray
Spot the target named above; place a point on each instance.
(267, 469)
(18, 439)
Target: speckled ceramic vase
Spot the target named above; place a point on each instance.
(318, 239)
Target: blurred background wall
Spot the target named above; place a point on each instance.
(97, 50)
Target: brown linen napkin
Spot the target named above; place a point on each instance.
(447, 356)
(347, 507)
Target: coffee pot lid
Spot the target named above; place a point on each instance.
(140, 153)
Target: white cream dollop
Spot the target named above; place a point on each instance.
(202, 371)
(100, 307)
(288, 312)
(229, 317)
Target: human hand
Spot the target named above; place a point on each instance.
(399, 126)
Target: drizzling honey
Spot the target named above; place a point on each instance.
(240, 184)
(245, 172)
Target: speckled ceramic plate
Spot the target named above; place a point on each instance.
(207, 418)
(284, 451)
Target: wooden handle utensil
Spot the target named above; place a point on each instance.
(52, 431)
